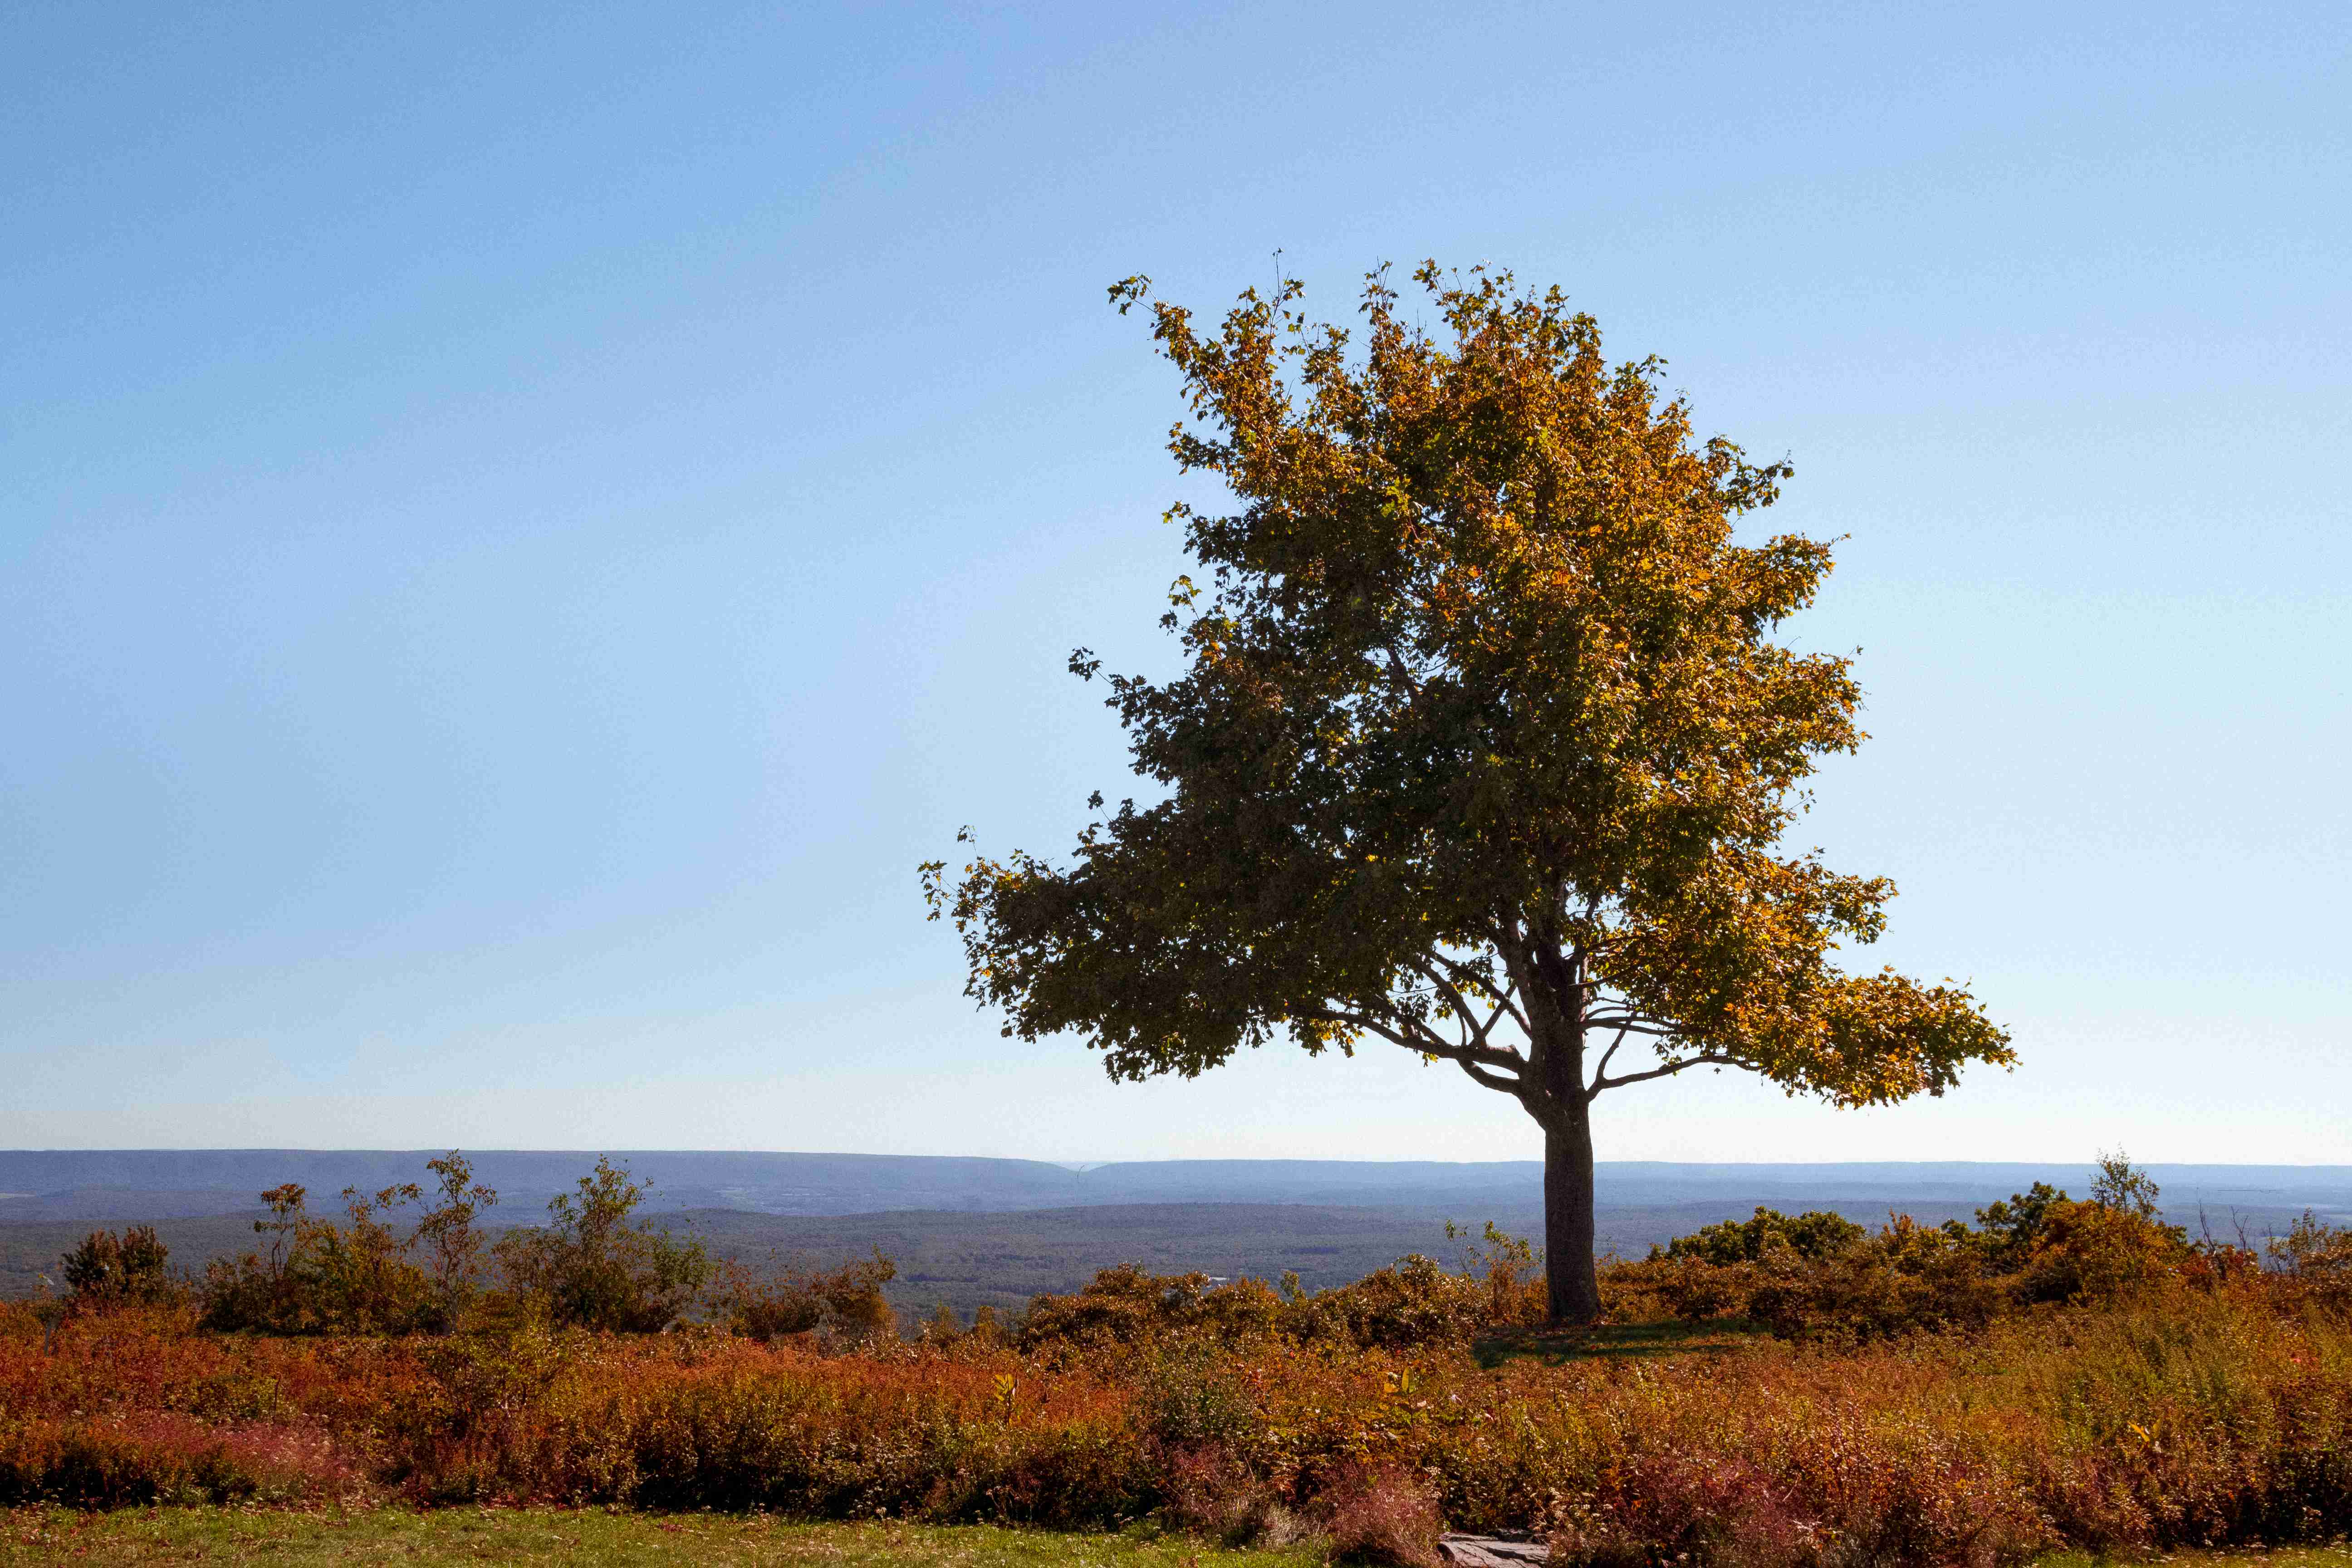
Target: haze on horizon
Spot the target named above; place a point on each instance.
(518, 532)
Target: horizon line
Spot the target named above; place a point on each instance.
(1083, 1167)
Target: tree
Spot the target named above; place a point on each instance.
(1482, 748)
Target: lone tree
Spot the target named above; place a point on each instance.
(1483, 749)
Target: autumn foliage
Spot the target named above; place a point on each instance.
(2180, 1415)
(2111, 1384)
(1485, 745)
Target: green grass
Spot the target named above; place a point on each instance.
(596, 1538)
(394, 1536)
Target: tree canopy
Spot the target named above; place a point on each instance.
(1482, 746)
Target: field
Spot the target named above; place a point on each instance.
(2165, 1425)
(1776, 1392)
(602, 1539)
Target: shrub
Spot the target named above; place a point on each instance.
(2121, 1185)
(454, 1246)
(1412, 1302)
(2097, 1251)
(1658, 1288)
(108, 1271)
(1187, 1392)
(1210, 1492)
(251, 1292)
(1819, 1275)
(2314, 1262)
(1377, 1512)
(1814, 1235)
(159, 1456)
(1126, 1306)
(316, 1277)
(1867, 1293)
(844, 1306)
(589, 1267)
(941, 1328)
(2007, 1231)
(1512, 1268)
(358, 1276)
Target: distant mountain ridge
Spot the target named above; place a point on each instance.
(117, 1185)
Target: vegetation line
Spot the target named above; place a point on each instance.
(1777, 1392)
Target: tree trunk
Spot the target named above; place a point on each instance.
(1571, 1283)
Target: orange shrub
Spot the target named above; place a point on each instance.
(1819, 1277)
(1412, 1302)
(844, 1305)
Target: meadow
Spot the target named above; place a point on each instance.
(1775, 1393)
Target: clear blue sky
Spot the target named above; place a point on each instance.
(519, 527)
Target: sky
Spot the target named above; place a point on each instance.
(519, 529)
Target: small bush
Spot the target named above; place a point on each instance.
(107, 1272)
(2311, 1249)
(1126, 1306)
(358, 1277)
(589, 1267)
(1813, 1235)
(316, 1277)
(1210, 1492)
(1412, 1302)
(1820, 1277)
(1376, 1512)
(2096, 1251)
(453, 1246)
(1512, 1269)
(844, 1306)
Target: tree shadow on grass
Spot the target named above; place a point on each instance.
(1619, 1341)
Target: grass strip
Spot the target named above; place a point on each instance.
(586, 1537)
(596, 1537)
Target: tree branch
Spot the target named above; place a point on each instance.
(1398, 669)
(1511, 947)
(1632, 1022)
(1601, 1072)
(1506, 1003)
(1464, 973)
(1666, 1071)
(1509, 1086)
(1428, 1043)
(1460, 1004)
